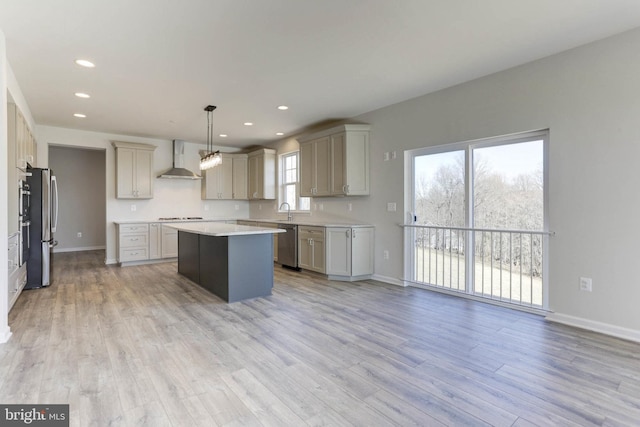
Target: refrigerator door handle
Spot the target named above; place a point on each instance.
(54, 186)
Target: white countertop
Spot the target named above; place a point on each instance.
(221, 229)
(295, 221)
(169, 221)
(308, 222)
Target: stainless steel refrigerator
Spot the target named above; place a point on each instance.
(43, 215)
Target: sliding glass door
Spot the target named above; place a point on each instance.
(479, 218)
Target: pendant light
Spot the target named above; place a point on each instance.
(210, 158)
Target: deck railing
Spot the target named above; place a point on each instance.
(504, 265)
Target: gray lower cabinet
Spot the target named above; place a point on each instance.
(232, 267)
(133, 242)
(146, 241)
(169, 242)
(17, 275)
(350, 252)
(311, 248)
(155, 240)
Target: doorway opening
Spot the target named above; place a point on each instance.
(81, 175)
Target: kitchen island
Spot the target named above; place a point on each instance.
(234, 262)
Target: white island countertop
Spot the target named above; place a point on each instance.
(220, 229)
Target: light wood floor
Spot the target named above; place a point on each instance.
(144, 346)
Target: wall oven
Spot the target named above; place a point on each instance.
(24, 207)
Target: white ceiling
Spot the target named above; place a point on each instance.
(159, 63)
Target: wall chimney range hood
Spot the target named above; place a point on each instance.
(178, 171)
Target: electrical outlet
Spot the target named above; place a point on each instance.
(79, 234)
(206, 207)
(393, 155)
(133, 208)
(391, 207)
(237, 207)
(586, 284)
(385, 254)
(321, 206)
(386, 156)
(350, 207)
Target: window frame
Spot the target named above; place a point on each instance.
(468, 147)
(282, 184)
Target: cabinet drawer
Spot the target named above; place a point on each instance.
(13, 258)
(134, 228)
(133, 254)
(316, 233)
(14, 283)
(134, 240)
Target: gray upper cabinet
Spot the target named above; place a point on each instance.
(240, 174)
(335, 162)
(227, 181)
(262, 174)
(134, 170)
(315, 167)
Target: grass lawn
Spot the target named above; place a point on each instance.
(447, 270)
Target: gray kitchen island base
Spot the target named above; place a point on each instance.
(233, 267)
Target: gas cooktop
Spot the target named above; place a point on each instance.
(178, 218)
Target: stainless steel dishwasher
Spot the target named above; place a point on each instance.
(288, 246)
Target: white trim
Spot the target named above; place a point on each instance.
(593, 325)
(389, 280)
(5, 335)
(281, 183)
(84, 248)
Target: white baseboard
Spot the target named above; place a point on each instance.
(389, 280)
(84, 248)
(592, 325)
(5, 335)
(109, 261)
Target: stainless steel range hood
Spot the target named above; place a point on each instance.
(178, 171)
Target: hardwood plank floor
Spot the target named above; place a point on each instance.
(144, 346)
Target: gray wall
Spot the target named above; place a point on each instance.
(589, 99)
(82, 190)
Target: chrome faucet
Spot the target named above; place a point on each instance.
(289, 216)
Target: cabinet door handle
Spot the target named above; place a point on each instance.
(354, 234)
(347, 233)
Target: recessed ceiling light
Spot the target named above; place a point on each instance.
(82, 95)
(223, 135)
(283, 107)
(80, 115)
(279, 133)
(85, 63)
(248, 124)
